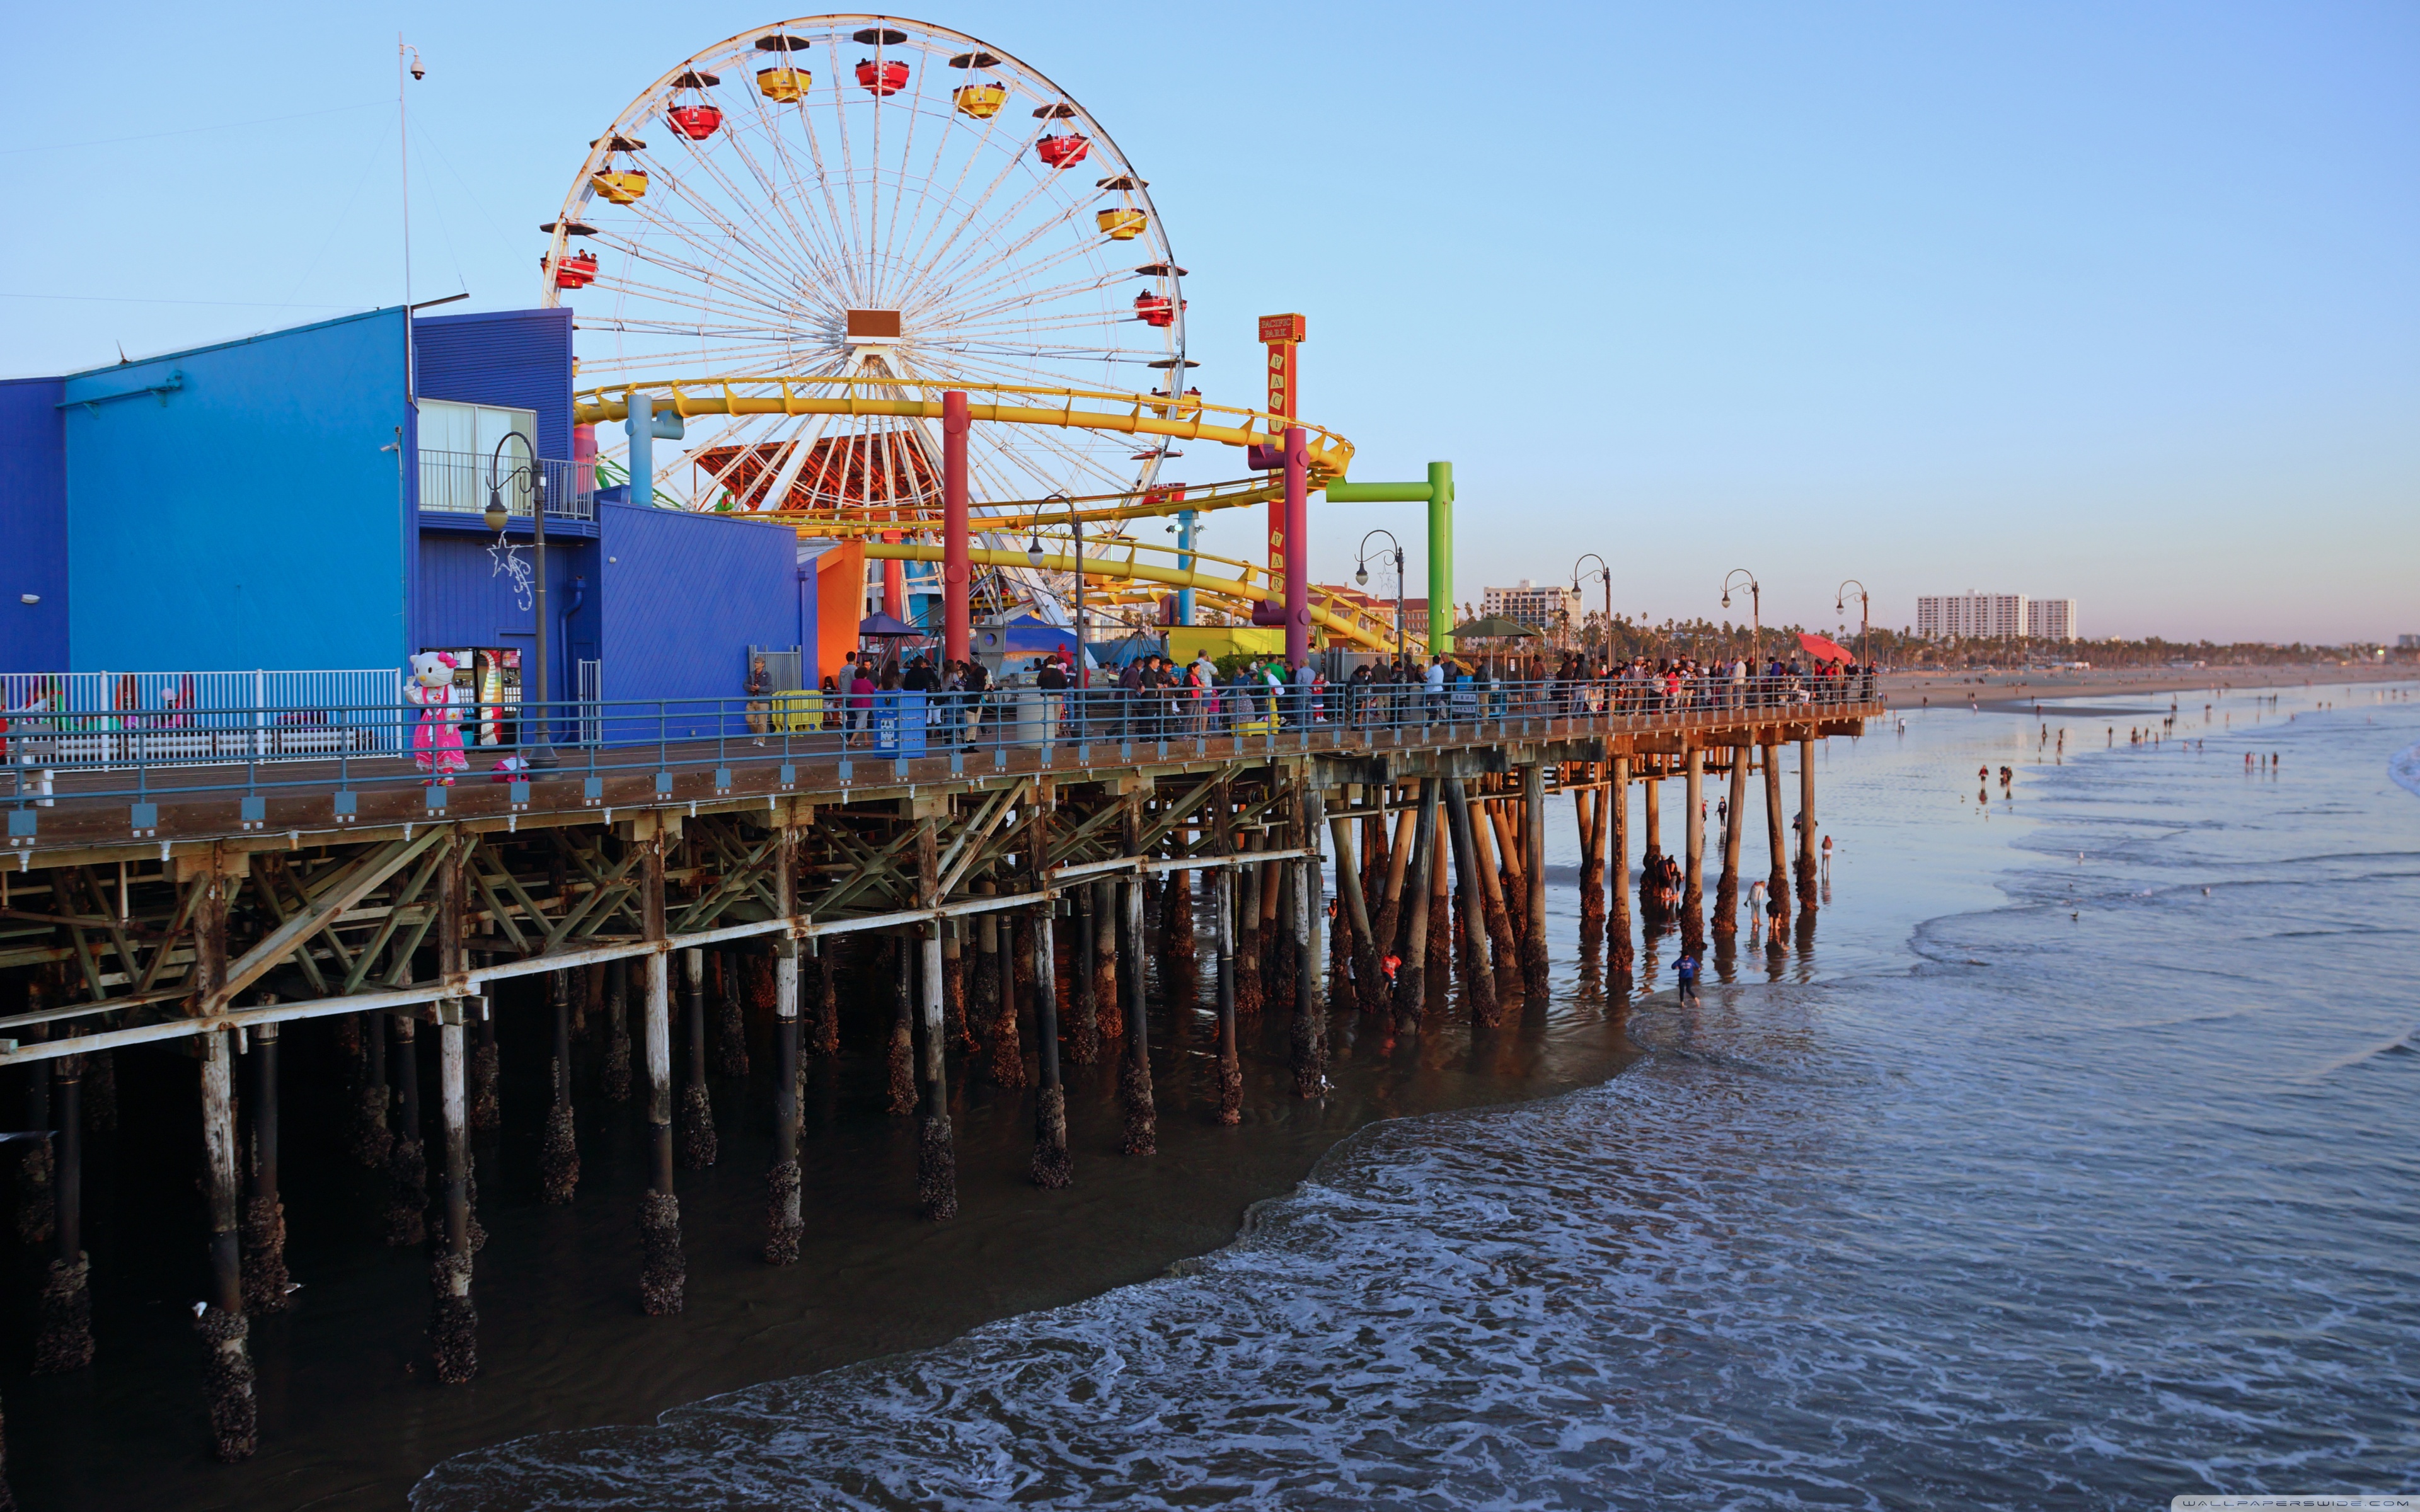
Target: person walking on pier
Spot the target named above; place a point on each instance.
(759, 688)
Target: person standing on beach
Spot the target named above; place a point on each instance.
(1684, 972)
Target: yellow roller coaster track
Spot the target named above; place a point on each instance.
(1340, 617)
(1180, 418)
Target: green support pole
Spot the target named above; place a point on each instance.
(1438, 493)
(1440, 558)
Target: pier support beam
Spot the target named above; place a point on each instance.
(1411, 977)
(1777, 880)
(1356, 915)
(731, 1022)
(264, 1213)
(1084, 1039)
(937, 1155)
(902, 1062)
(233, 1413)
(406, 1162)
(558, 1154)
(700, 1147)
(1693, 831)
(1247, 925)
(1477, 981)
(63, 1342)
(1505, 945)
(615, 1073)
(1727, 886)
(783, 1221)
(1106, 914)
(1534, 963)
(1310, 916)
(1003, 1041)
(454, 1324)
(1806, 826)
(372, 1140)
(1616, 804)
(1134, 1071)
(1651, 902)
(663, 1278)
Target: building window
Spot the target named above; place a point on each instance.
(457, 441)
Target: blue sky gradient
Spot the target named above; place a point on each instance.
(2110, 303)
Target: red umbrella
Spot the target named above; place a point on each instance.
(1824, 649)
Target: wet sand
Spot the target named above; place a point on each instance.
(350, 1416)
(2018, 691)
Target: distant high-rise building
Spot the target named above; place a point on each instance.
(2050, 618)
(1543, 608)
(1970, 616)
(1995, 617)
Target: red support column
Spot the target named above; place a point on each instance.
(1297, 546)
(955, 574)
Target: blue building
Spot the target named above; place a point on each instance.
(287, 503)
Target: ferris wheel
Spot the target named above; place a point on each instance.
(892, 209)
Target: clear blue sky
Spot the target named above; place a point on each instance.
(2117, 302)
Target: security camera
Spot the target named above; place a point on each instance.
(418, 71)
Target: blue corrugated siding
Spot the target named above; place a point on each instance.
(520, 358)
(684, 598)
(33, 526)
(464, 601)
(250, 518)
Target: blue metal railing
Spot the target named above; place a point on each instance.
(389, 745)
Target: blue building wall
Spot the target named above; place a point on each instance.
(33, 526)
(248, 518)
(465, 601)
(684, 596)
(520, 358)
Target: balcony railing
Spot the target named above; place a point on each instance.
(455, 483)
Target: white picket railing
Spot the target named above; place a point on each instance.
(101, 719)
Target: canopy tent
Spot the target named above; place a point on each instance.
(1491, 628)
(879, 624)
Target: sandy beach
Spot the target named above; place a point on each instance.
(2023, 689)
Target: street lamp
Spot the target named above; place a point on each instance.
(1865, 606)
(540, 755)
(1756, 612)
(1033, 554)
(1361, 576)
(1604, 571)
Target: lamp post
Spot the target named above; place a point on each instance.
(540, 755)
(1756, 611)
(1033, 554)
(1603, 571)
(1864, 605)
(1361, 577)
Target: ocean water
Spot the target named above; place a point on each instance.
(2073, 1166)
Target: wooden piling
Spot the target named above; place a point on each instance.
(454, 1321)
(1310, 916)
(615, 1075)
(1502, 944)
(1615, 808)
(558, 1154)
(1479, 981)
(371, 1140)
(663, 1276)
(224, 1328)
(1106, 929)
(1693, 836)
(37, 1193)
(1390, 907)
(985, 989)
(1588, 812)
(1084, 1036)
(902, 1055)
(1134, 1069)
(264, 1213)
(1806, 826)
(1362, 945)
(63, 1333)
(1777, 881)
(731, 1024)
(1534, 957)
(1411, 976)
(936, 1156)
(1440, 915)
(825, 1040)
(1248, 930)
(1727, 886)
(1003, 1043)
(407, 1163)
(784, 1220)
(1230, 1069)
(1651, 906)
(699, 1146)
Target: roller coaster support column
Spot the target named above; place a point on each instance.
(1298, 547)
(1438, 493)
(1184, 563)
(955, 575)
(646, 427)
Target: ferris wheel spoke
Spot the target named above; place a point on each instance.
(776, 277)
(1020, 221)
(1008, 252)
(779, 278)
(1011, 163)
(1043, 298)
(857, 239)
(921, 76)
(637, 250)
(817, 248)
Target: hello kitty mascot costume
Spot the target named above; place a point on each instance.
(437, 745)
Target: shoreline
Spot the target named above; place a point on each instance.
(2017, 692)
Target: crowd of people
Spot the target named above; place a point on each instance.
(1154, 696)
